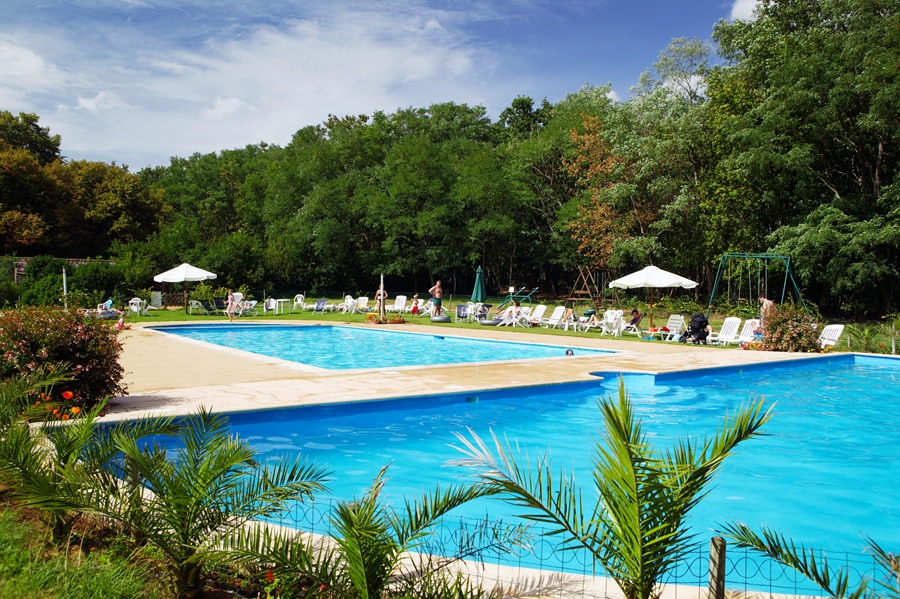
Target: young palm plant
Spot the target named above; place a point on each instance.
(186, 501)
(40, 461)
(636, 531)
(834, 581)
(370, 555)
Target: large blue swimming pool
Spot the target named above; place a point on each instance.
(825, 474)
(342, 348)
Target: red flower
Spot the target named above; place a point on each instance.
(67, 395)
(270, 577)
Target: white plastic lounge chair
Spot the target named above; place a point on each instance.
(748, 332)
(198, 307)
(244, 307)
(613, 323)
(362, 304)
(830, 335)
(672, 329)
(728, 333)
(555, 317)
(536, 315)
(634, 329)
(399, 304)
(348, 306)
(300, 302)
(514, 316)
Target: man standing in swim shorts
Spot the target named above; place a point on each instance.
(436, 295)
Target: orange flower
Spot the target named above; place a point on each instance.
(67, 395)
(76, 410)
(65, 416)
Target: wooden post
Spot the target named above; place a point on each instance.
(717, 568)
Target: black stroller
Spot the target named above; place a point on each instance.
(696, 330)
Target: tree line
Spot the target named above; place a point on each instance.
(785, 142)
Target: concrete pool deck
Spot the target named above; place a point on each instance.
(171, 375)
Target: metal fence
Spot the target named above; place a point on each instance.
(746, 572)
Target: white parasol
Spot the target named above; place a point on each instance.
(184, 273)
(652, 277)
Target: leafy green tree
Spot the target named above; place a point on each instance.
(821, 125)
(24, 131)
(637, 530)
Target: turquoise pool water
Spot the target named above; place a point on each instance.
(342, 348)
(825, 474)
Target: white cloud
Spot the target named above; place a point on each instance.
(222, 108)
(139, 82)
(102, 102)
(743, 9)
(19, 65)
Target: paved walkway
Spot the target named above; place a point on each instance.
(170, 375)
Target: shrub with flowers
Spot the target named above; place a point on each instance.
(65, 343)
(790, 328)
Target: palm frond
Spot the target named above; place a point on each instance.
(835, 582)
(890, 583)
(549, 500)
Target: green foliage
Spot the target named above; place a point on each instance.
(63, 342)
(28, 569)
(803, 560)
(788, 143)
(371, 556)
(25, 132)
(637, 529)
(209, 488)
(99, 280)
(789, 327)
(45, 265)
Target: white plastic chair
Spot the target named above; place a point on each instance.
(728, 333)
(830, 335)
(672, 329)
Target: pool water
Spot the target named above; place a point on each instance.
(342, 348)
(825, 473)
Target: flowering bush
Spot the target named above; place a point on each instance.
(64, 342)
(789, 328)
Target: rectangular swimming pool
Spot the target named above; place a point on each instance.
(342, 348)
(825, 473)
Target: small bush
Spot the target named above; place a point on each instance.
(64, 342)
(790, 328)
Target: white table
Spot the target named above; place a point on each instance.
(280, 304)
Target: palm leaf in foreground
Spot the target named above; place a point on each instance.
(636, 530)
(801, 559)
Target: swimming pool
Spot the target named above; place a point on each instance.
(825, 474)
(342, 348)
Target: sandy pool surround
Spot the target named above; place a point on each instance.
(170, 375)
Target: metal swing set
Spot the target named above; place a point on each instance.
(736, 269)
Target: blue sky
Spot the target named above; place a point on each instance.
(140, 81)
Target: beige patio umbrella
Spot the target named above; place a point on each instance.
(652, 277)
